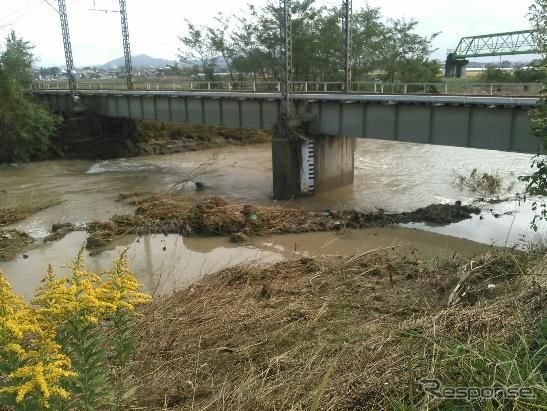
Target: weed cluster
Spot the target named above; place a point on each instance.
(71, 347)
(485, 185)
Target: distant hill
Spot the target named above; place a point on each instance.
(142, 60)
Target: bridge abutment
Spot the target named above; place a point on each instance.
(303, 164)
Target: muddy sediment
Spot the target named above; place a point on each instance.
(217, 217)
(265, 337)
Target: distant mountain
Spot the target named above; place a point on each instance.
(142, 60)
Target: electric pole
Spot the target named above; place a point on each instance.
(346, 43)
(286, 59)
(126, 46)
(71, 73)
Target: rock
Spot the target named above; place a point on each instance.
(59, 230)
(338, 226)
(61, 226)
(99, 239)
(200, 186)
(239, 238)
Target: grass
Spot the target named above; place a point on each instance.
(346, 333)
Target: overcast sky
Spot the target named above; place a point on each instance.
(155, 24)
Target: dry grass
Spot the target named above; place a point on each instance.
(12, 214)
(252, 338)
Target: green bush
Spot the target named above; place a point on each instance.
(25, 126)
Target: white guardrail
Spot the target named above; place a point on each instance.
(449, 88)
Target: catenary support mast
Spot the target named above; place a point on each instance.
(126, 46)
(286, 59)
(346, 42)
(71, 73)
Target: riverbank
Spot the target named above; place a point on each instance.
(346, 333)
(90, 136)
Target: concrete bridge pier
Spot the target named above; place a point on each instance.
(303, 164)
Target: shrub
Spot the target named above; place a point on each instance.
(72, 346)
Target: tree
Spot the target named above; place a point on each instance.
(400, 45)
(496, 75)
(221, 43)
(49, 71)
(531, 74)
(367, 33)
(25, 127)
(250, 44)
(536, 183)
(198, 48)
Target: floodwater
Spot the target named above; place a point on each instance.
(388, 175)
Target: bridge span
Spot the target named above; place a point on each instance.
(331, 121)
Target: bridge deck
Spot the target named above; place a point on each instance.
(498, 123)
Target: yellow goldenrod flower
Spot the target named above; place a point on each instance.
(121, 289)
(40, 366)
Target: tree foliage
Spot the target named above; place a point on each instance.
(25, 127)
(536, 183)
(249, 44)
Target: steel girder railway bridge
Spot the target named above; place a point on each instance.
(499, 44)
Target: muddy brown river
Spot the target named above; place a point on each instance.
(388, 175)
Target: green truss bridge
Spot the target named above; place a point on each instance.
(498, 44)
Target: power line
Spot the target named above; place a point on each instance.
(50, 5)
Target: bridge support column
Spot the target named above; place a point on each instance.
(286, 164)
(303, 165)
(334, 162)
(455, 68)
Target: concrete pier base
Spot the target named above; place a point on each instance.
(303, 165)
(334, 162)
(286, 166)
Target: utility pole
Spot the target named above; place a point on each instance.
(346, 43)
(286, 59)
(126, 46)
(71, 73)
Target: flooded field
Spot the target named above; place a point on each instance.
(390, 176)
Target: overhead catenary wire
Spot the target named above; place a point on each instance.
(50, 5)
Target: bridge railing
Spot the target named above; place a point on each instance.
(447, 88)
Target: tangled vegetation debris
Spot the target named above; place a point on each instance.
(12, 243)
(12, 214)
(217, 217)
(59, 231)
(264, 338)
(487, 186)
